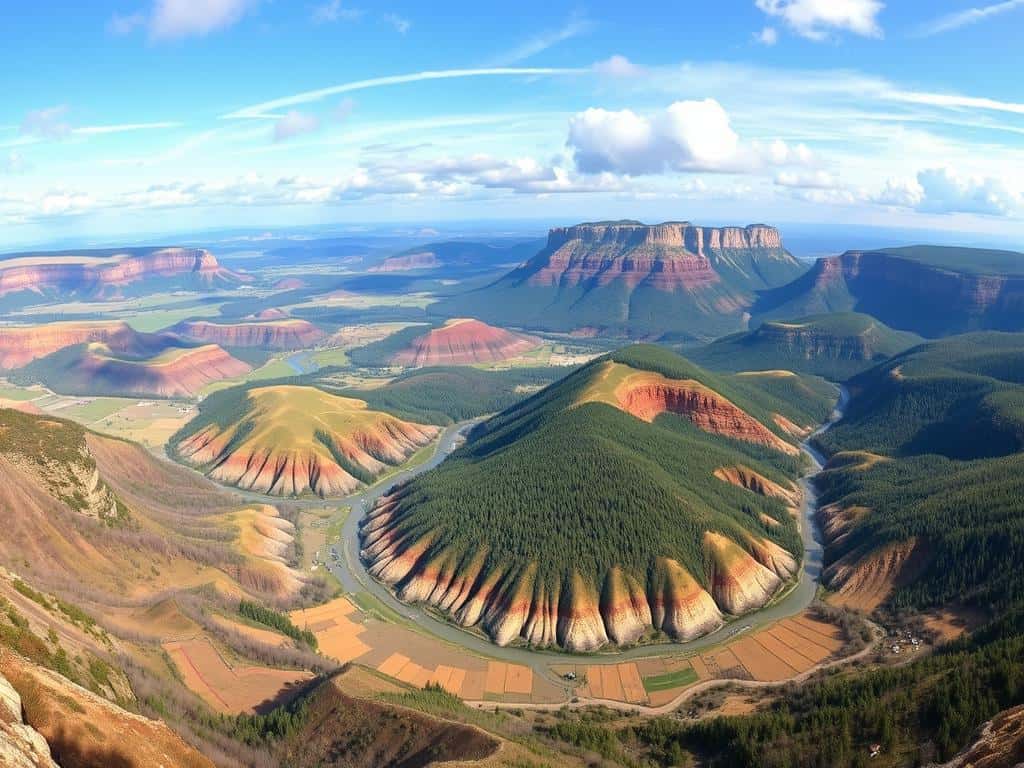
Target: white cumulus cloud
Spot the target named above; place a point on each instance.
(816, 19)
(688, 135)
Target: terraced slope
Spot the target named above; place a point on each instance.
(836, 346)
(295, 440)
(167, 370)
(614, 505)
(464, 341)
(931, 290)
(924, 494)
(673, 279)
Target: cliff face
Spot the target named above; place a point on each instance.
(668, 257)
(408, 262)
(461, 342)
(905, 293)
(20, 345)
(290, 441)
(637, 280)
(100, 276)
(278, 334)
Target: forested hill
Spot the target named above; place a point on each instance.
(637, 472)
(931, 449)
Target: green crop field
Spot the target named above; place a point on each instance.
(670, 680)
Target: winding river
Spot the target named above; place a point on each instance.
(353, 576)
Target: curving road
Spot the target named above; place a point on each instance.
(352, 574)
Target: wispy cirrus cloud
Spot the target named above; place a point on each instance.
(268, 109)
(333, 10)
(401, 24)
(576, 25)
(969, 16)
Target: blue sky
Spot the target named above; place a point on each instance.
(141, 116)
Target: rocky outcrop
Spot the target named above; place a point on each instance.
(578, 614)
(290, 441)
(279, 334)
(463, 342)
(999, 744)
(647, 395)
(747, 478)
(21, 344)
(101, 274)
(83, 730)
(21, 745)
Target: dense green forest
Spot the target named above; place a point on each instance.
(444, 395)
(834, 346)
(531, 479)
(946, 418)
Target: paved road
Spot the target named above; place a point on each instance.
(352, 574)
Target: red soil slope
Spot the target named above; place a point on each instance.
(265, 334)
(176, 373)
(461, 342)
(20, 345)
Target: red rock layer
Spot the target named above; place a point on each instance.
(511, 605)
(704, 407)
(20, 345)
(461, 342)
(183, 375)
(97, 276)
(671, 256)
(422, 260)
(265, 334)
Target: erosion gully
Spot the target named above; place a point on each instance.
(351, 573)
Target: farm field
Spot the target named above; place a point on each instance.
(232, 689)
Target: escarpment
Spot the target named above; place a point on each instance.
(295, 440)
(272, 333)
(21, 344)
(637, 279)
(600, 511)
(930, 290)
(104, 274)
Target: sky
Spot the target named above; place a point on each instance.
(141, 116)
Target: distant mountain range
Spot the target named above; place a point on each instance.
(930, 290)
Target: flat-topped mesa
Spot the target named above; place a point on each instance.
(295, 440)
(673, 234)
(464, 341)
(667, 257)
(21, 344)
(276, 334)
(96, 274)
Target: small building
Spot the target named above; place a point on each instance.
(875, 750)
